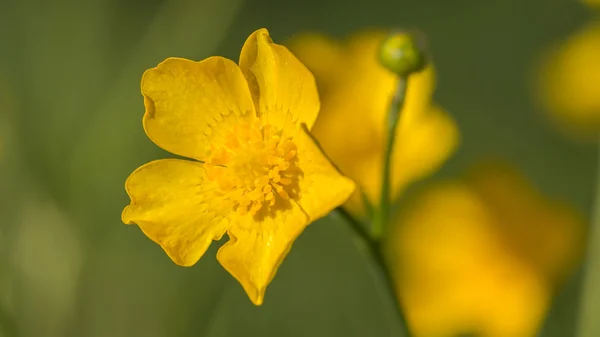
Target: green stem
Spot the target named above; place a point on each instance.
(588, 323)
(382, 216)
(358, 227)
(382, 274)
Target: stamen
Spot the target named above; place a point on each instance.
(254, 168)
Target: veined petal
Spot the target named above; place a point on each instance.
(283, 89)
(257, 247)
(174, 207)
(190, 105)
(322, 187)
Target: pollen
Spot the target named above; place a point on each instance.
(254, 169)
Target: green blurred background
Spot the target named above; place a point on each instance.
(70, 130)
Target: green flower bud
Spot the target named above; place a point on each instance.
(402, 54)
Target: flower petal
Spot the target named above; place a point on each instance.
(378, 84)
(424, 140)
(322, 187)
(452, 231)
(189, 105)
(257, 247)
(569, 80)
(525, 213)
(423, 146)
(323, 56)
(174, 207)
(283, 89)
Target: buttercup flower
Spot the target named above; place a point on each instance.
(569, 82)
(255, 172)
(356, 92)
(482, 255)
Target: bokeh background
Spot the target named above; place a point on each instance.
(70, 134)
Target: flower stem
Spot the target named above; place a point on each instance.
(382, 216)
(588, 324)
(382, 274)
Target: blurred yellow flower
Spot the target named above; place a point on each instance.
(355, 95)
(569, 82)
(482, 255)
(257, 175)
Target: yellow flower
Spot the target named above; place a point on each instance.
(257, 174)
(569, 83)
(482, 255)
(355, 96)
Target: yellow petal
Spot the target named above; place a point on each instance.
(592, 3)
(357, 105)
(353, 67)
(322, 187)
(258, 246)
(464, 256)
(454, 274)
(190, 105)
(378, 84)
(525, 213)
(323, 56)
(283, 89)
(569, 82)
(174, 207)
(423, 145)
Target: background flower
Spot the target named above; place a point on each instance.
(355, 93)
(483, 255)
(74, 69)
(569, 82)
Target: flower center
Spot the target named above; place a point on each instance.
(255, 168)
